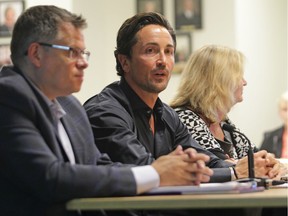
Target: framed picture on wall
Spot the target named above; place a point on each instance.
(150, 6)
(183, 50)
(9, 12)
(4, 55)
(188, 14)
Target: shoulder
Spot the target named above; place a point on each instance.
(70, 104)
(186, 113)
(169, 112)
(189, 117)
(13, 81)
(277, 131)
(185, 117)
(16, 91)
(110, 92)
(111, 96)
(110, 104)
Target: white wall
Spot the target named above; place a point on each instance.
(256, 27)
(261, 34)
(104, 18)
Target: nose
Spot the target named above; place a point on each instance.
(161, 61)
(244, 82)
(82, 63)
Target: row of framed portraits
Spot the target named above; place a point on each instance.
(10, 10)
(187, 13)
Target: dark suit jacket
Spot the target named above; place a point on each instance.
(273, 141)
(35, 176)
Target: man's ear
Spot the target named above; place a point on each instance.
(124, 61)
(34, 54)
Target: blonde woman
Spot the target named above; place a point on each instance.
(212, 83)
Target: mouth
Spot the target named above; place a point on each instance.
(160, 73)
(80, 76)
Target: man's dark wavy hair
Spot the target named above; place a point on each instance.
(126, 37)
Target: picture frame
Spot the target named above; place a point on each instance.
(150, 6)
(188, 14)
(9, 12)
(5, 55)
(183, 51)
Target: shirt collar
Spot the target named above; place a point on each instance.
(137, 104)
(57, 109)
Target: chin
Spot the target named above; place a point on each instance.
(240, 99)
(75, 89)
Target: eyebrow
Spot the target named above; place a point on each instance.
(156, 44)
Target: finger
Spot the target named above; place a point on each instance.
(260, 161)
(270, 155)
(200, 164)
(198, 156)
(200, 177)
(274, 171)
(194, 168)
(205, 178)
(271, 161)
(191, 152)
(261, 154)
(178, 150)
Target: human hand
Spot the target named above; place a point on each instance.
(182, 168)
(260, 168)
(231, 160)
(275, 168)
(178, 151)
(200, 160)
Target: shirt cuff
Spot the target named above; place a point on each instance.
(146, 178)
(233, 174)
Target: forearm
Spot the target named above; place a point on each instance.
(221, 175)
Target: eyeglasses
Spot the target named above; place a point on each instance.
(74, 53)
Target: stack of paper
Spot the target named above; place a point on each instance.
(208, 188)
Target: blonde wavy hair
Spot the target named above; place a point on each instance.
(209, 80)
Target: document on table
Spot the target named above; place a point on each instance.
(285, 185)
(208, 188)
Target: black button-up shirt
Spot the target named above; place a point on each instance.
(120, 123)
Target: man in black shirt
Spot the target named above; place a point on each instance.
(129, 121)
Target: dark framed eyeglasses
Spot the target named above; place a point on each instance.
(74, 53)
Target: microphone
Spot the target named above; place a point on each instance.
(250, 153)
(260, 182)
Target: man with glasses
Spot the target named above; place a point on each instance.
(47, 151)
(74, 53)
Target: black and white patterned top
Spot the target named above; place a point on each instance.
(201, 133)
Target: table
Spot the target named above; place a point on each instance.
(276, 197)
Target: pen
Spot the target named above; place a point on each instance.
(269, 182)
